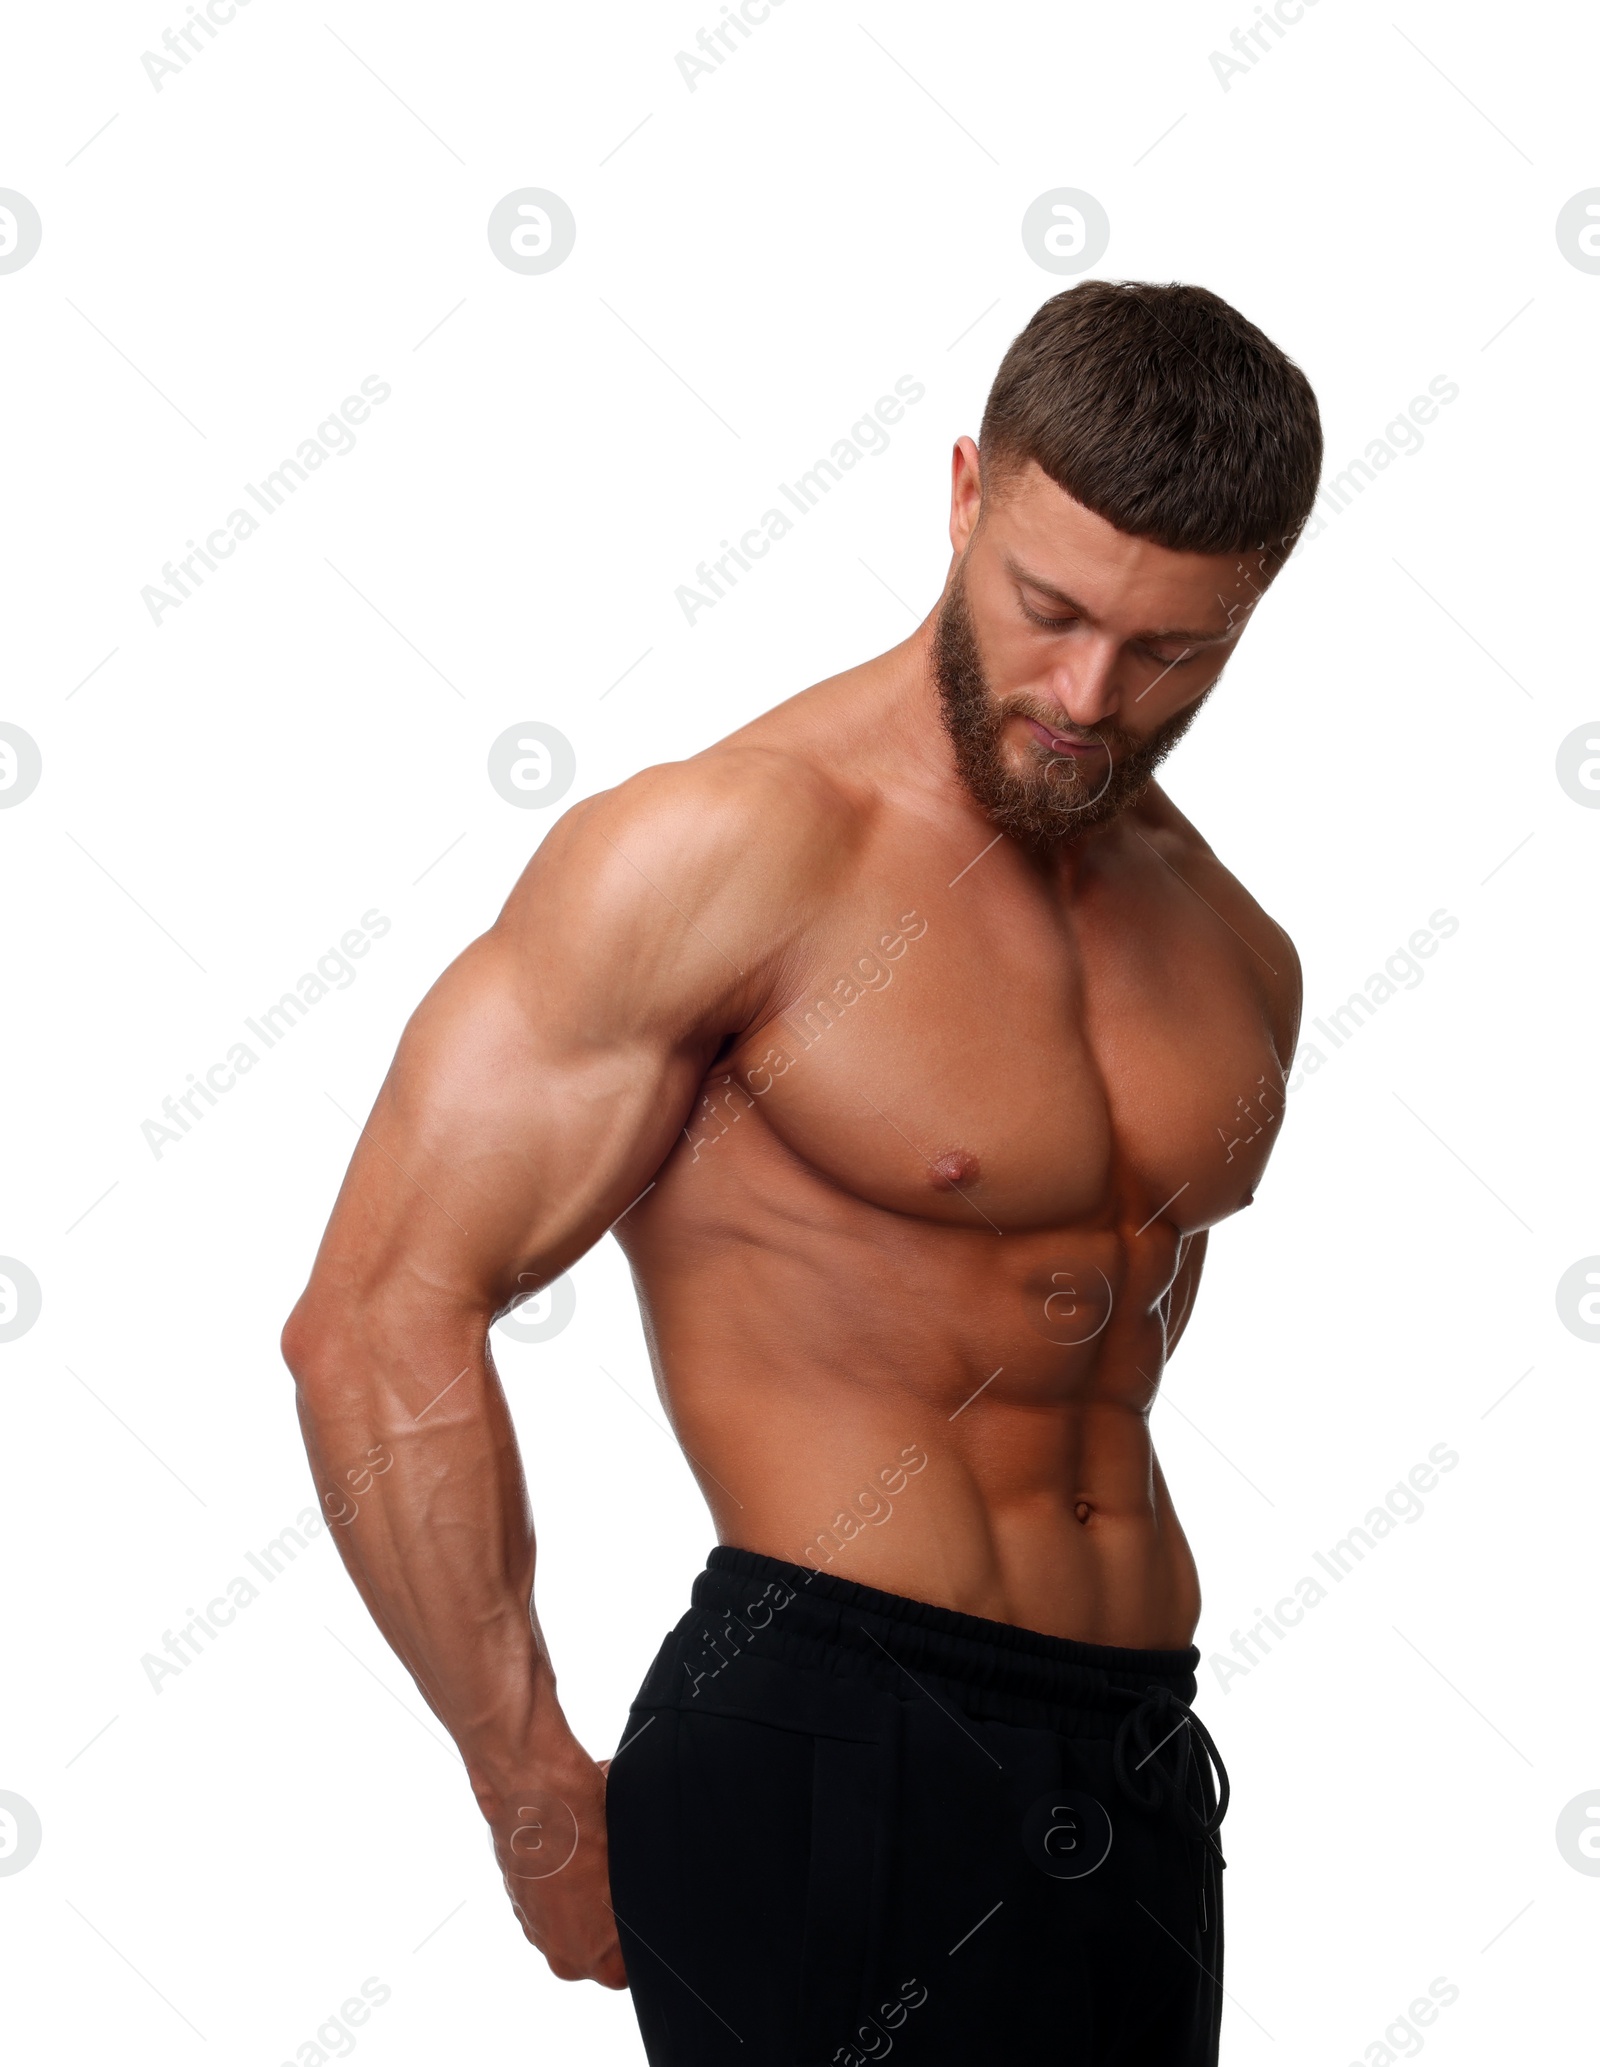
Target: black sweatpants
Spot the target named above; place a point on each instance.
(842, 1822)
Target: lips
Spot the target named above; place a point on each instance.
(1059, 743)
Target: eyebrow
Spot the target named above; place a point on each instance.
(1048, 588)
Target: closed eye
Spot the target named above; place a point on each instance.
(1049, 624)
(1060, 624)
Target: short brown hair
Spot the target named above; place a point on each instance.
(1164, 411)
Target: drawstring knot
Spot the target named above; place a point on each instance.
(1152, 1758)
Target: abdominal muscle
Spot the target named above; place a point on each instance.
(1094, 1553)
(924, 1409)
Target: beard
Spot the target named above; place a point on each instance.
(1056, 796)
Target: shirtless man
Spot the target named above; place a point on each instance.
(910, 1041)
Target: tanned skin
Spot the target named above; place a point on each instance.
(958, 1213)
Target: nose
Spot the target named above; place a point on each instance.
(1083, 683)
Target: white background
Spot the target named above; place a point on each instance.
(304, 739)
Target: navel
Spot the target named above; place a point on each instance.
(954, 1170)
(1083, 1510)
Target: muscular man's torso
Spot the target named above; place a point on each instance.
(911, 1274)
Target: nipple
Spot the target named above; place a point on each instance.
(955, 1168)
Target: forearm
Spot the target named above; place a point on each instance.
(416, 1463)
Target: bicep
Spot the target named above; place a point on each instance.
(533, 1096)
(504, 1141)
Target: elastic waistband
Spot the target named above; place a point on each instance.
(808, 1608)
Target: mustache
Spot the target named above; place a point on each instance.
(1106, 734)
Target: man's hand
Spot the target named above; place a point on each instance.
(550, 1844)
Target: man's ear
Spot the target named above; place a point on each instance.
(966, 493)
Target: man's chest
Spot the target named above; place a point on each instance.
(949, 1063)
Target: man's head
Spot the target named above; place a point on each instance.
(1146, 460)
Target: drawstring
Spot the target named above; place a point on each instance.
(1151, 1760)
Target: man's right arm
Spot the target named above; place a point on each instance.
(536, 1091)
